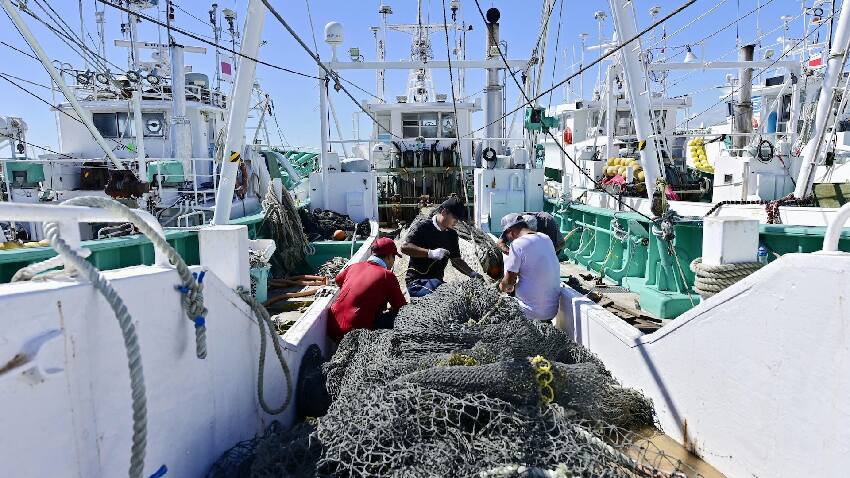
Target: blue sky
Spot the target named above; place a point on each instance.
(296, 98)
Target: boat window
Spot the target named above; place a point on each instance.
(427, 125)
(122, 125)
(106, 124)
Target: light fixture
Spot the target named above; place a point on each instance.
(153, 79)
(83, 78)
(768, 54)
(102, 78)
(689, 56)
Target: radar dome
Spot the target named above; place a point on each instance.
(334, 33)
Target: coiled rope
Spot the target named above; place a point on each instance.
(709, 280)
(131, 343)
(192, 287)
(263, 321)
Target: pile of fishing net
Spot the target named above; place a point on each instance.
(320, 224)
(464, 385)
(282, 222)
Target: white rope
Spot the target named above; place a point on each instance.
(709, 280)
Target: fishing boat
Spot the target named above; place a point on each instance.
(205, 379)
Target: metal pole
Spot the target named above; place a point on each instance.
(240, 102)
(140, 132)
(624, 22)
(57, 78)
(834, 67)
(744, 106)
(494, 90)
(181, 146)
(611, 115)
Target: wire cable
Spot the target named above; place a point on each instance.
(454, 106)
(330, 73)
(590, 65)
(199, 38)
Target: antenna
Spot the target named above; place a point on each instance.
(334, 36)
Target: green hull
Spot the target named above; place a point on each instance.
(621, 246)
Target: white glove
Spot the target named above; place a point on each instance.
(438, 254)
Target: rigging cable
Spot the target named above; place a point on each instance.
(199, 38)
(549, 132)
(735, 89)
(331, 73)
(454, 107)
(557, 42)
(584, 68)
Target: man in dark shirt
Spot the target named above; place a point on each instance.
(431, 243)
(540, 222)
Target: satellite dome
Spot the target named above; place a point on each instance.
(334, 33)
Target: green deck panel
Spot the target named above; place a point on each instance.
(643, 262)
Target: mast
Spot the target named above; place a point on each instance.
(494, 87)
(834, 67)
(240, 102)
(624, 22)
(743, 121)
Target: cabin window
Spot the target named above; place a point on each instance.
(121, 125)
(428, 125)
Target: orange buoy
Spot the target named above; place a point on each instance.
(339, 235)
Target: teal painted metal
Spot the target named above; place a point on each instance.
(120, 252)
(28, 173)
(168, 171)
(625, 248)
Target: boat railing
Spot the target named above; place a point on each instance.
(69, 219)
(835, 228)
(199, 182)
(163, 92)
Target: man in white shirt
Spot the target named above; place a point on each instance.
(532, 269)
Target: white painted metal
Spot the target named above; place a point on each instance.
(624, 19)
(836, 226)
(57, 78)
(140, 133)
(181, 140)
(743, 379)
(729, 240)
(158, 46)
(69, 218)
(723, 65)
(834, 67)
(224, 250)
(240, 103)
(416, 64)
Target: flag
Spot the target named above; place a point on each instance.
(816, 61)
(226, 69)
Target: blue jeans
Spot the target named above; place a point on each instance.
(422, 287)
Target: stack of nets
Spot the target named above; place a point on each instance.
(320, 224)
(466, 386)
(332, 267)
(488, 255)
(282, 223)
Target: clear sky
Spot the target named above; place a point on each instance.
(296, 98)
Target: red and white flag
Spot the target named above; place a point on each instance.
(225, 69)
(815, 61)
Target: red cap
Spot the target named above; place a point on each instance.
(384, 246)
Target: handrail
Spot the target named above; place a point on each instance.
(833, 231)
(69, 218)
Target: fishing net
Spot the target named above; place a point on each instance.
(282, 223)
(465, 385)
(332, 267)
(320, 224)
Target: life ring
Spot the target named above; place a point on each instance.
(241, 186)
(489, 154)
(568, 136)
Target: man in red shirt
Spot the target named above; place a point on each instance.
(366, 289)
